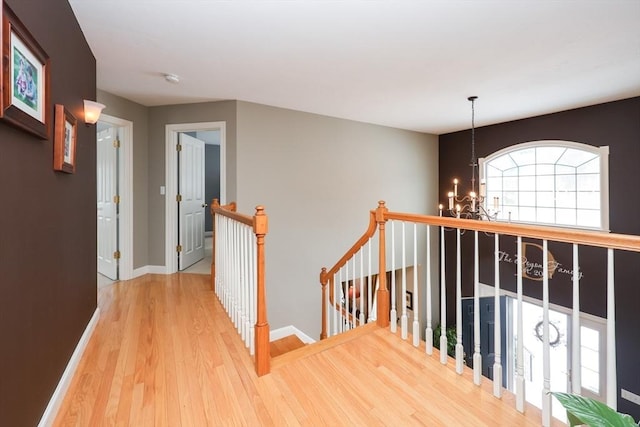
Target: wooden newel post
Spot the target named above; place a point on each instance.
(262, 355)
(383, 293)
(323, 283)
(214, 204)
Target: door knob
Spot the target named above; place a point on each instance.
(204, 205)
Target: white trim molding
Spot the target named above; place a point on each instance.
(55, 402)
(290, 330)
(171, 182)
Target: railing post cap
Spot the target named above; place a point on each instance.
(260, 222)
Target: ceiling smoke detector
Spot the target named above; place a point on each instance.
(172, 78)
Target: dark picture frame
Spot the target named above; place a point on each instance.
(65, 140)
(25, 77)
(408, 300)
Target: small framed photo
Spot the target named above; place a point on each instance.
(25, 78)
(408, 300)
(64, 140)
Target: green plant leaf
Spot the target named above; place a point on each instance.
(591, 412)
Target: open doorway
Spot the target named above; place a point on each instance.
(114, 205)
(182, 209)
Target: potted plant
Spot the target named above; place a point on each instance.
(586, 411)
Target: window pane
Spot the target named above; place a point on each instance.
(527, 198)
(494, 184)
(566, 183)
(510, 172)
(566, 199)
(546, 215)
(549, 154)
(492, 171)
(527, 214)
(527, 170)
(566, 216)
(510, 198)
(565, 170)
(526, 156)
(592, 166)
(545, 199)
(590, 358)
(589, 338)
(588, 218)
(588, 182)
(589, 200)
(573, 157)
(527, 183)
(590, 380)
(503, 162)
(510, 183)
(546, 169)
(545, 183)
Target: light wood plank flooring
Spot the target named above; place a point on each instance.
(164, 353)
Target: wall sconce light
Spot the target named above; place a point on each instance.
(92, 111)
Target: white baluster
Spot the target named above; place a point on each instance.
(253, 280)
(342, 298)
(459, 348)
(393, 316)
(497, 351)
(403, 319)
(354, 308)
(546, 356)
(361, 286)
(337, 303)
(612, 381)
(346, 297)
(576, 364)
(477, 357)
(443, 302)
(369, 285)
(243, 282)
(428, 334)
(520, 389)
(416, 294)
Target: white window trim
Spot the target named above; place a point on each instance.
(602, 152)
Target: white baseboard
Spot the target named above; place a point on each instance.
(61, 390)
(290, 330)
(149, 269)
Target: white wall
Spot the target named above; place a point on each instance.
(318, 177)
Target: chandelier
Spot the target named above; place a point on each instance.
(472, 205)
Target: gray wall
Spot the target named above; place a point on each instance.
(139, 115)
(318, 177)
(159, 117)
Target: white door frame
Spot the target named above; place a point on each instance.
(171, 182)
(125, 188)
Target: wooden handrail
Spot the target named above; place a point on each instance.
(566, 235)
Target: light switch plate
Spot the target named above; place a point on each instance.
(631, 397)
(162, 190)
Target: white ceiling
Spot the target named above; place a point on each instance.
(405, 64)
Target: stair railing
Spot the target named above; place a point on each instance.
(238, 276)
(348, 287)
(438, 224)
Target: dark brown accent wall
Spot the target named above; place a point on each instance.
(614, 124)
(48, 228)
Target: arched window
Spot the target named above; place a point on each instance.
(548, 182)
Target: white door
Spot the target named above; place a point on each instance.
(191, 208)
(107, 191)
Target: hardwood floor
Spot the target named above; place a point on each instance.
(164, 353)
